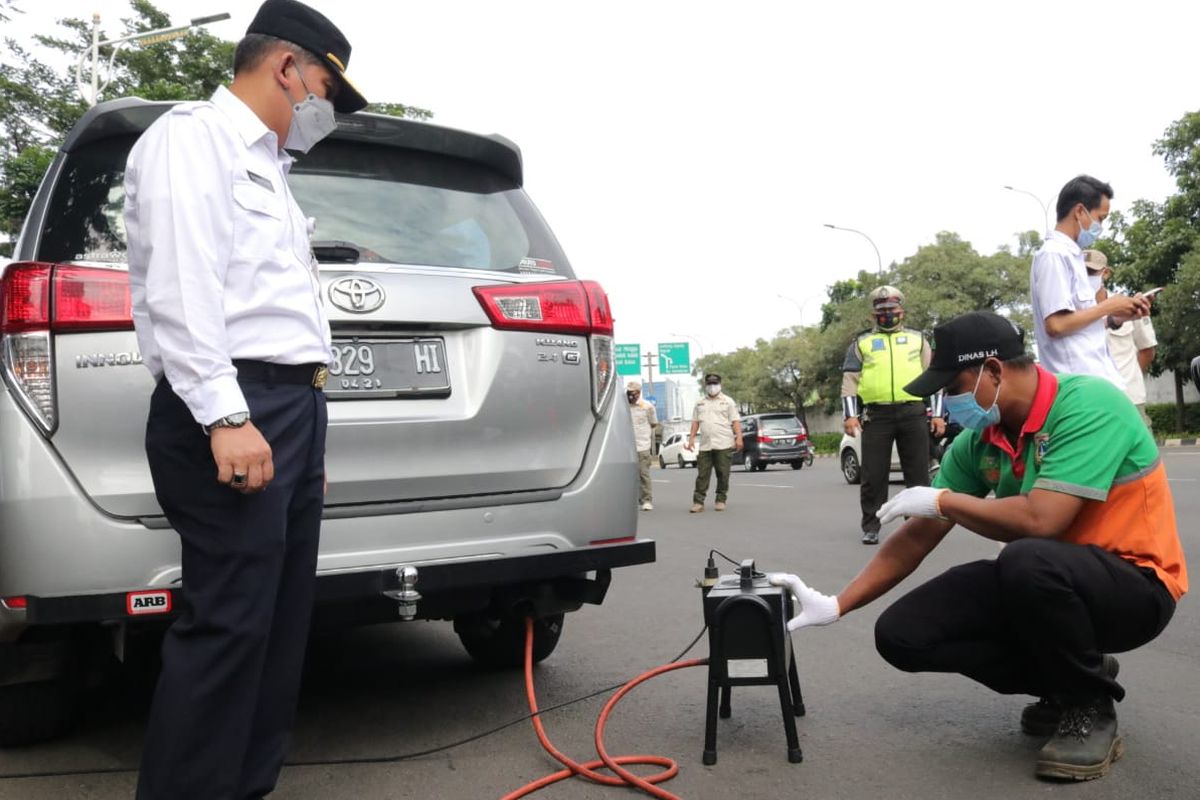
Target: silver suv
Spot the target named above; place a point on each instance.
(479, 468)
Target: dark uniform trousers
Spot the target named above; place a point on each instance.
(1036, 620)
(905, 424)
(226, 698)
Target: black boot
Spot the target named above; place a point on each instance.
(1085, 745)
(1041, 718)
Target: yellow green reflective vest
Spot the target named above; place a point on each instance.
(890, 361)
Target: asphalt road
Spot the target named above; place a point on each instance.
(870, 732)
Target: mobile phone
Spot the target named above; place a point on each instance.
(1152, 292)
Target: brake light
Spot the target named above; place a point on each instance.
(25, 296)
(20, 602)
(764, 439)
(91, 299)
(48, 297)
(38, 299)
(559, 307)
(572, 307)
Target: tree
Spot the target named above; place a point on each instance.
(1158, 247)
(39, 103)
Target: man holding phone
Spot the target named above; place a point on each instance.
(1132, 343)
(1068, 320)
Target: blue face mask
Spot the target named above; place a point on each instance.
(1088, 236)
(966, 411)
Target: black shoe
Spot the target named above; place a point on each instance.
(1084, 746)
(870, 537)
(1041, 718)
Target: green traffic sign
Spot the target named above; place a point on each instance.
(674, 359)
(628, 358)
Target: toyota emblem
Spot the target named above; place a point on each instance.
(356, 294)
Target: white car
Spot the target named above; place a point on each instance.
(850, 457)
(674, 450)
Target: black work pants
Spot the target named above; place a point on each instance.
(226, 698)
(1034, 621)
(905, 424)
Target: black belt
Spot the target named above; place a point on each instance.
(314, 375)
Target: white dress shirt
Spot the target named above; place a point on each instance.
(1059, 281)
(220, 265)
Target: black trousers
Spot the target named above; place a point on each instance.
(1034, 621)
(226, 698)
(905, 424)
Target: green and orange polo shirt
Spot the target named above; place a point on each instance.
(1085, 438)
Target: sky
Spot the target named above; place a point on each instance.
(688, 154)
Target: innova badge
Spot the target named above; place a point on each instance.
(356, 294)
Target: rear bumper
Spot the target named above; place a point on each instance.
(438, 583)
(789, 454)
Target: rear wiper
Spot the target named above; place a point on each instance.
(337, 251)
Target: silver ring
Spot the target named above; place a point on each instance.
(239, 479)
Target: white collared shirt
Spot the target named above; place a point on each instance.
(1058, 281)
(220, 265)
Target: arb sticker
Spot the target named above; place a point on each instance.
(158, 602)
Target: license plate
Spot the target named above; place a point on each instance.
(374, 368)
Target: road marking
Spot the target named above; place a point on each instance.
(1182, 480)
(1191, 453)
(660, 480)
(769, 485)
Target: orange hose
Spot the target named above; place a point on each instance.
(587, 770)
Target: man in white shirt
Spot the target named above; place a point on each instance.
(227, 308)
(1131, 345)
(1068, 321)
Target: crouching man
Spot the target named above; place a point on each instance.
(1092, 565)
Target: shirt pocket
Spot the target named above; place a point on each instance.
(253, 198)
(1084, 297)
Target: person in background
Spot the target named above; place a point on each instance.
(1068, 321)
(1131, 344)
(878, 364)
(719, 424)
(645, 420)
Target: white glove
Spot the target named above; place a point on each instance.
(815, 608)
(915, 501)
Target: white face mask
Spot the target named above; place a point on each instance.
(312, 120)
(713, 389)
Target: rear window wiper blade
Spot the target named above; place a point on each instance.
(337, 251)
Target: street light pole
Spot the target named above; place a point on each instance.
(878, 260)
(1045, 209)
(91, 93)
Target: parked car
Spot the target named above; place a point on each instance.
(850, 454)
(850, 458)
(674, 450)
(448, 297)
(773, 439)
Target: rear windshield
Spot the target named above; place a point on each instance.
(391, 205)
(786, 423)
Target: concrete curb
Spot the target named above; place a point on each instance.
(1177, 442)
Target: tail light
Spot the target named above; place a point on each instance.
(764, 439)
(37, 300)
(571, 307)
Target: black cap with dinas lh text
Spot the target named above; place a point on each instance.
(967, 341)
(295, 22)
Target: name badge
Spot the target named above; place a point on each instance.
(261, 181)
(901, 340)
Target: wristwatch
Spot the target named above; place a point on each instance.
(232, 421)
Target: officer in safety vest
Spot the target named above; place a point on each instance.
(879, 363)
